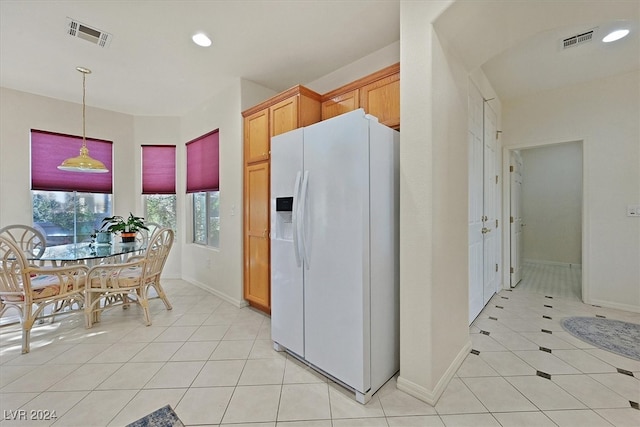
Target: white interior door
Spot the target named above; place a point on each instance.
(476, 215)
(516, 224)
(490, 226)
(484, 277)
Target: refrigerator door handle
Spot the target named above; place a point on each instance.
(294, 215)
(302, 221)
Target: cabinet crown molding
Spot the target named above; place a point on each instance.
(356, 84)
(296, 90)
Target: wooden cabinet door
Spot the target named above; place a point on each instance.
(256, 136)
(284, 116)
(382, 99)
(256, 242)
(340, 104)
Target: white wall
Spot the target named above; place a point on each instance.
(371, 63)
(552, 203)
(604, 114)
(20, 112)
(161, 131)
(253, 94)
(433, 207)
(217, 269)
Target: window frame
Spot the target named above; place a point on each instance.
(203, 178)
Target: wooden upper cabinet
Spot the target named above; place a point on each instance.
(340, 104)
(284, 116)
(256, 136)
(382, 99)
(377, 93)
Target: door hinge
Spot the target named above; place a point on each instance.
(511, 219)
(496, 179)
(511, 270)
(496, 267)
(496, 223)
(510, 168)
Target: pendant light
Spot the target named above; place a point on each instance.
(83, 162)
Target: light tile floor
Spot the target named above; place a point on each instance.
(213, 363)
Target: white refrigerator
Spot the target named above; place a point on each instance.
(334, 249)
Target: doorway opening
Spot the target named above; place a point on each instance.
(546, 219)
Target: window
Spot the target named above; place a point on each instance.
(204, 184)
(67, 209)
(206, 218)
(159, 184)
(69, 216)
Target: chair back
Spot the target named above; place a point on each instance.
(157, 253)
(153, 227)
(142, 236)
(14, 268)
(27, 238)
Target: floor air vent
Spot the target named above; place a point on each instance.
(90, 34)
(577, 39)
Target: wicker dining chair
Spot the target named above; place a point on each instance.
(121, 284)
(29, 239)
(153, 228)
(30, 289)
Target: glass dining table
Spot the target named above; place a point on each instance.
(88, 253)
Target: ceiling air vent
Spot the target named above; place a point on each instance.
(90, 34)
(577, 39)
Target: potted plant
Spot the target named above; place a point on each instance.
(101, 237)
(126, 227)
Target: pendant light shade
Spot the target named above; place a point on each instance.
(83, 162)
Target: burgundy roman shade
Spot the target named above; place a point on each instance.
(203, 163)
(158, 169)
(49, 150)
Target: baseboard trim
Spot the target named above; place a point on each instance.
(614, 305)
(222, 295)
(561, 264)
(432, 396)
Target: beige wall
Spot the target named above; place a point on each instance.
(604, 115)
(552, 203)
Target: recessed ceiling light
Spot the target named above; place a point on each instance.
(201, 39)
(615, 35)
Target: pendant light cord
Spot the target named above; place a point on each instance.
(84, 91)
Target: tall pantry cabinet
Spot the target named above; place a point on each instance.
(294, 108)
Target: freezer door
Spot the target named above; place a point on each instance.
(287, 311)
(336, 232)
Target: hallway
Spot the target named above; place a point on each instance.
(553, 280)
